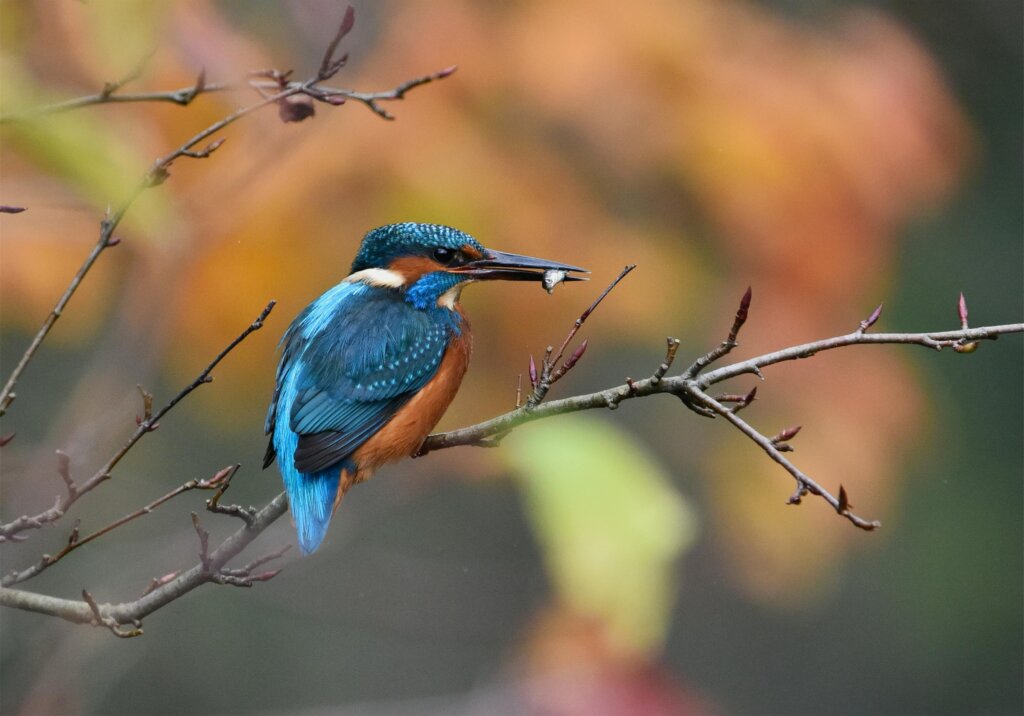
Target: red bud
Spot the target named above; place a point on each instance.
(577, 354)
(264, 576)
(221, 474)
(347, 22)
(872, 319)
(787, 434)
(745, 301)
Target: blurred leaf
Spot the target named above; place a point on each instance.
(611, 524)
(92, 154)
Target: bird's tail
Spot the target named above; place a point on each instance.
(311, 498)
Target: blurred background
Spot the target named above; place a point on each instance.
(830, 154)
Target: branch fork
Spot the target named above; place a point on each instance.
(295, 102)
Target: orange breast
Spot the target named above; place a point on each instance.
(404, 433)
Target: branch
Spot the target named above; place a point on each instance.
(294, 100)
(156, 175)
(219, 481)
(284, 92)
(124, 619)
(372, 99)
(146, 424)
(183, 96)
(690, 388)
(549, 373)
(132, 613)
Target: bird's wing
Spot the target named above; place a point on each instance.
(356, 365)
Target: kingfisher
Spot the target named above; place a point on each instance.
(369, 367)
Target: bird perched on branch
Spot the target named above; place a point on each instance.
(369, 367)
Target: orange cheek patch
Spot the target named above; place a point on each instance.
(471, 252)
(412, 268)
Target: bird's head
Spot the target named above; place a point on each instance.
(432, 263)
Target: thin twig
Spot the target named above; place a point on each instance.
(327, 64)
(144, 426)
(171, 588)
(677, 385)
(682, 387)
(549, 373)
(371, 99)
(216, 482)
(183, 96)
(805, 483)
(936, 340)
(246, 514)
(726, 346)
(133, 611)
(672, 347)
(156, 175)
(590, 309)
(159, 171)
(98, 619)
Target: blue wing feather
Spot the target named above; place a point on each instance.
(348, 364)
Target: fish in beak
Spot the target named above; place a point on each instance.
(498, 265)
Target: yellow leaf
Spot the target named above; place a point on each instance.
(610, 522)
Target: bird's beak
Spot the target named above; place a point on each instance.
(513, 267)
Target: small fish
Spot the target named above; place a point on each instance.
(552, 277)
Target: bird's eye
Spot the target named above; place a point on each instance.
(444, 256)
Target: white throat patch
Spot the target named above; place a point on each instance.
(449, 298)
(384, 278)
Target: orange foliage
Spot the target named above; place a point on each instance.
(569, 132)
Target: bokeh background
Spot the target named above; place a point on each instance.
(831, 154)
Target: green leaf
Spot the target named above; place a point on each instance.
(610, 522)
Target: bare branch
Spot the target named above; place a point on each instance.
(728, 344)
(217, 482)
(100, 620)
(549, 373)
(936, 340)
(184, 96)
(212, 565)
(670, 356)
(372, 99)
(146, 425)
(223, 482)
(131, 613)
(296, 102)
(328, 64)
(804, 483)
(159, 172)
(675, 385)
(691, 390)
(276, 87)
(155, 176)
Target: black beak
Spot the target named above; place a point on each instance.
(513, 267)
